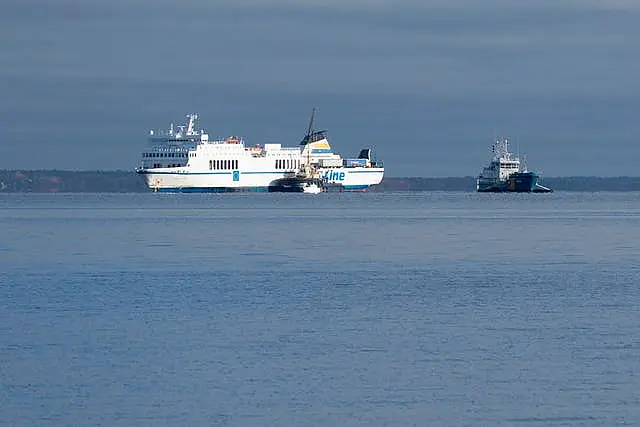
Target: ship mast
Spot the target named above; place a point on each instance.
(313, 115)
(309, 141)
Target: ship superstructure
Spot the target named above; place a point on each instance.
(186, 159)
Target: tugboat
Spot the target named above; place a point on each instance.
(297, 183)
(506, 173)
(307, 179)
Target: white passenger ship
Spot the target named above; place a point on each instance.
(184, 159)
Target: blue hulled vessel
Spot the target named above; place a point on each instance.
(505, 173)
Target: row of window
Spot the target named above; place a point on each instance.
(159, 165)
(494, 166)
(223, 164)
(287, 164)
(150, 155)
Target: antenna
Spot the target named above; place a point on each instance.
(495, 144)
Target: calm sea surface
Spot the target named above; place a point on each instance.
(430, 309)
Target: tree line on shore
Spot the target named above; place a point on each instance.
(55, 181)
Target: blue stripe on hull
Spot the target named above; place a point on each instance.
(341, 169)
(211, 190)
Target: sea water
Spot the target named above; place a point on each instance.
(366, 309)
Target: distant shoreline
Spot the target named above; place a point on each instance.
(59, 181)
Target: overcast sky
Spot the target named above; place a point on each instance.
(426, 83)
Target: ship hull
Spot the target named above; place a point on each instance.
(181, 181)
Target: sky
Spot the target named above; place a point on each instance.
(427, 84)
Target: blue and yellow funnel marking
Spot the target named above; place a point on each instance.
(320, 147)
